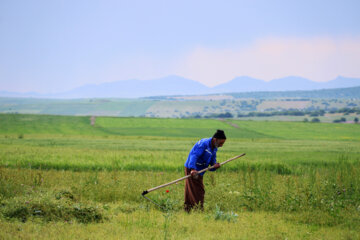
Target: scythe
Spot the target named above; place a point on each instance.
(183, 178)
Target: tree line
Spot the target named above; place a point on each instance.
(291, 112)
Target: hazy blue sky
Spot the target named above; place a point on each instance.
(50, 45)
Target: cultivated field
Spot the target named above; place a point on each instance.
(184, 107)
(62, 178)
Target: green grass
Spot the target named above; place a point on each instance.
(167, 154)
(110, 126)
(15, 124)
(302, 130)
(61, 178)
(150, 225)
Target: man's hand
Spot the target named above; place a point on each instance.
(216, 165)
(194, 173)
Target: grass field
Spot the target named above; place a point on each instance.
(62, 178)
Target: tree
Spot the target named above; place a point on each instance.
(356, 120)
(315, 120)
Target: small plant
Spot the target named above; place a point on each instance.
(220, 215)
(168, 205)
(212, 180)
(65, 195)
(167, 217)
(38, 179)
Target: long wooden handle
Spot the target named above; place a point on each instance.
(187, 176)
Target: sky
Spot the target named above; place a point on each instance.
(53, 46)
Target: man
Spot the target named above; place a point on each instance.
(201, 156)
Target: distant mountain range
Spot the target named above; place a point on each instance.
(175, 85)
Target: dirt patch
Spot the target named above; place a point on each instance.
(283, 104)
(230, 123)
(92, 120)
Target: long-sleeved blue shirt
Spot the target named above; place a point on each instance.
(201, 155)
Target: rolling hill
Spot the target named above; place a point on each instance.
(187, 106)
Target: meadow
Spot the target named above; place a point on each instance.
(62, 178)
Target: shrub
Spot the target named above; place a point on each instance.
(315, 120)
(228, 216)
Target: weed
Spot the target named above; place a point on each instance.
(168, 204)
(221, 215)
(167, 218)
(38, 179)
(64, 194)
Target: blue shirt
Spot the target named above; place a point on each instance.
(201, 155)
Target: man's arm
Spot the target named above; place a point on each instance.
(213, 163)
(194, 155)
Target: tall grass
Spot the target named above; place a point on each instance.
(169, 154)
(327, 197)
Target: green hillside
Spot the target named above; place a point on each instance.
(302, 130)
(69, 125)
(17, 124)
(46, 124)
(104, 107)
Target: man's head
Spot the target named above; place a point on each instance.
(219, 138)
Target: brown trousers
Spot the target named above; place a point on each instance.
(194, 192)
